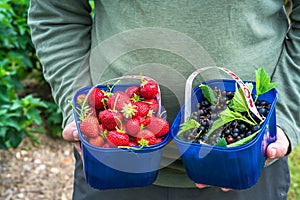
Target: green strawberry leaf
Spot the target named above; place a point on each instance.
(263, 82)
(208, 93)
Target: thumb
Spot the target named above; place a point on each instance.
(279, 148)
(70, 132)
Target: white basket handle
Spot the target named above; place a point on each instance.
(188, 91)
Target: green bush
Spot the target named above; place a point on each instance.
(19, 112)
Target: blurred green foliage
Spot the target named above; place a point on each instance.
(19, 113)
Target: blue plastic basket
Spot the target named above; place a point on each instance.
(110, 168)
(235, 167)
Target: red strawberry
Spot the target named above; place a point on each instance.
(158, 126)
(90, 126)
(158, 140)
(106, 145)
(132, 144)
(149, 89)
(153, 104)
(110, 119)
(118, 100)
(145, 138)
(142, 109)
(80, 99)
(133, 126)
(97, 98)
(144, 121)
(117, 138)
(129, 110)
(97, 141)
(132, 90)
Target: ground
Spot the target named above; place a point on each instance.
(37, 172)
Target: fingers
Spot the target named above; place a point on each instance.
(201, 186)
(70, 133)
(279, 148)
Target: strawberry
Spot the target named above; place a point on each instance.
(129, 110)
(158, 126)
(118, 100)
(117, 138)
(153, 104)
(90, 126)
(144, 121)
(132, 144)
(133, 126)
(142, 109)
(106, 145)
(158, 140)
(80, 99)
(145, 138)
(149, 89)
(97, 141)
(132, 90)
(110, 119)
(97, 98)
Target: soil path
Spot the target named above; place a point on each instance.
(43, 172)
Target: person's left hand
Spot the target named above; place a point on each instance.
(275, 150)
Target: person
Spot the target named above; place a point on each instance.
(168, 40)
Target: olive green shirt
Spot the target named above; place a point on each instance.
(168, 40)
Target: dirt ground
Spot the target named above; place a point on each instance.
(43, 172)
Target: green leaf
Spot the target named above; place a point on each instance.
(238, 102)
(263, 82)
(3, 131)
(208, 93)
(221, 143)
(226, 116)
(34, 114)
(188, 125)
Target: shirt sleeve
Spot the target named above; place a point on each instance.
(61, 34)
(287, 75)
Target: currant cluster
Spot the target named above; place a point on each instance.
(206, 114)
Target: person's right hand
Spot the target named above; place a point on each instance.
(70, 134)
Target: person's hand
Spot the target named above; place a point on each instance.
(70, 134)
(279, 148)
(275, 150)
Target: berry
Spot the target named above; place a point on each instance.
(97, 98)
(145, 138)
(80, 99)
(153, 104)
(90, 127)
(142, 109)
(149, 89)
(97, 141)
(133, 126)
(118, 100)
(117, 138)
(158, 126)
(132, 90)
(110, 119)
